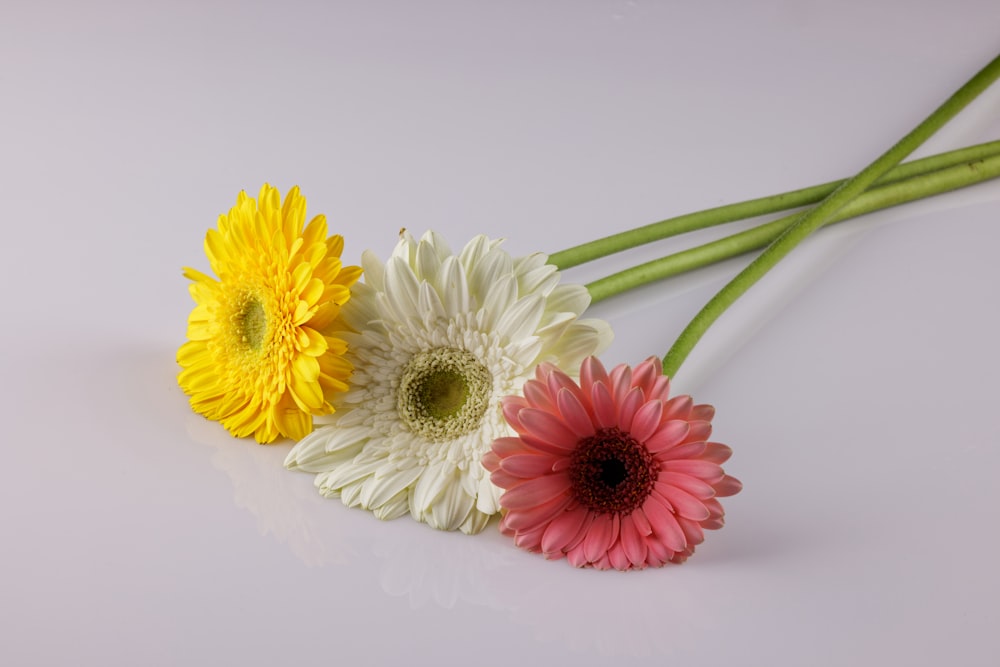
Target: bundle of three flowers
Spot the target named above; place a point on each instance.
(443, 383)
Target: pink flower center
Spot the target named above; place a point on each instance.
(611, 472)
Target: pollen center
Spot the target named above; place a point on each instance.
(443, 393)
(612, 473)
(251, 323)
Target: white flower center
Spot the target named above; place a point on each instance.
(443, 393)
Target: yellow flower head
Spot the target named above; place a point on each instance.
(259, 357)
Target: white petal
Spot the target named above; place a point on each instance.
(430, 305)
(393, 508)
(453, 507)
(401, 289)
(568, 298)
(430, 486)
(427, 262)
(346, 473)
(474, 251)
(374, 270)
(488, 498)
(474, 523)
(484, 275)
(522, 318)
(499, 298)
(326, 448)
(541, 280)
(582, 339)
(453, 288)
(388, 481)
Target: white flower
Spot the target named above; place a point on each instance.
(436, 339)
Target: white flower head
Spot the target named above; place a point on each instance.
(436, 340)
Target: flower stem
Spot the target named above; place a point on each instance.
(876, 199)
(751, 208)
(810, 220)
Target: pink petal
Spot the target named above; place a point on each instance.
(716, 452)
(700, 430)
(712, 524)
(632, 542)
(562, 529)
(660, 390)
(703, 412)
(527, 465)
(605, 410)
(705, 470)
(542, 371)
(670, 434)
(664, 524)
(535, 492)
(646, 420)
(508, 446)
(728, 486)
(512, 405)
(530, 539)
(533, 444)
(619, 560)
(574, 414)
(641, 522)
(692, 485)
(549, 428)
(603, 532)
(532, 518)
(591, 372)
(634, 399)
(692, 531)
(621, 382)
(715, 507)
(678, 407)
(537, 395)
(576, 557)
(658, 553)
(645, 374)
(684, 503)
(504, 479)
(692, 450)
(491, 461)
(581, 533)
(558, 381)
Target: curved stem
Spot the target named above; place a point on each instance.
(751, 208)
(814, 218)
(876, 199)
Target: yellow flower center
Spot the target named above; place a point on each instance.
(251, 323)
(443, 393)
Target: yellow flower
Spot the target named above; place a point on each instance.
(259, 358)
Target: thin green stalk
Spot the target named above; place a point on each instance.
(812, 219)
(876, 199)
(655, 231)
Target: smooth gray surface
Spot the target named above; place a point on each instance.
(857, 383)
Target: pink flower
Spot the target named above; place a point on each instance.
(610, 472)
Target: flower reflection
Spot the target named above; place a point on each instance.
(442, 568)
(285, 507)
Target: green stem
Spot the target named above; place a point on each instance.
(810, 220)
(655, 231)
(876, 199)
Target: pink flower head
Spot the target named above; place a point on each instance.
(609, 472)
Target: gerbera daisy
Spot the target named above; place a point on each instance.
(260, 357)
(610, 472)
(436, 339)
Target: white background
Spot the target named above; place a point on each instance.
(856, 383)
